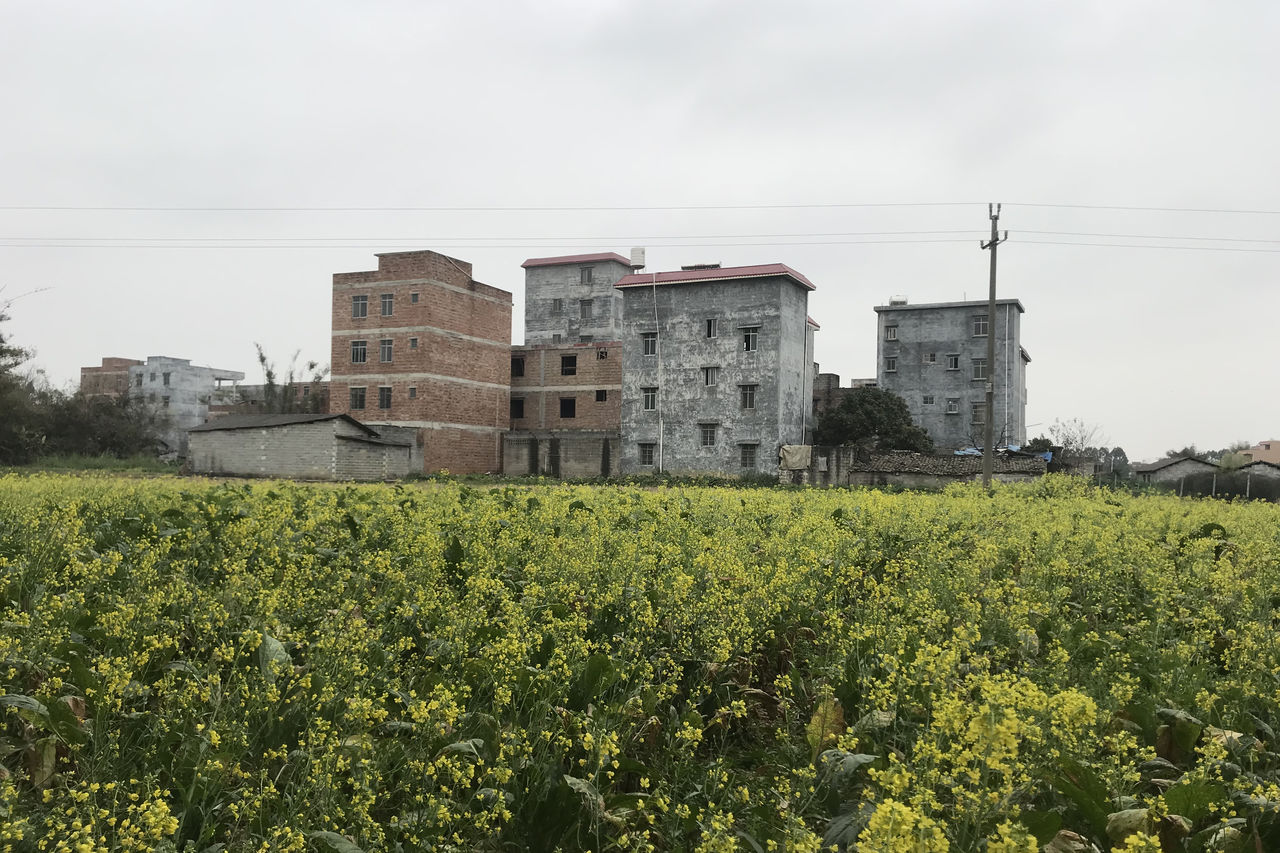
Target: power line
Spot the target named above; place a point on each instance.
(559, 239)
(1147, 236)
(1148, 209)
(583, 208)
(577, 245)
(1142, 246)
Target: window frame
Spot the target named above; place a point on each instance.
(649, 398)
(360, 346)
(602, 395)
(557, 307)
(384, 398)
(890, 364)
(586, 275)
(355, 392)
(983, 322)
(747, 395)
(979, 370)
(569, 365)
(586, 309)
(978, 413)
(953, 406)
(387, 304)
(649, 343)
(517, 366)
(891, 332)
(711, 375)
(360, 307)
(953, 361)
(647, 452)
(516, 403)
(386, 350)
(712, 328)
(750, 338)
(571, 403)
(745, 450)
(707, 434)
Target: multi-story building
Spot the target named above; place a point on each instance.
(717, 368)
(828, 394)
(1265, 451)
(934, 356)
(420, 344)
(572, 299)
(181, 393)
(111, 379)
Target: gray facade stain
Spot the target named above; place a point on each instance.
(564, 305)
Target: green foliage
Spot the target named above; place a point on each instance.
(873, 419)
(284, 395)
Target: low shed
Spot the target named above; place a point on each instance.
(301, 447)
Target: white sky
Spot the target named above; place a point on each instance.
(625, 105)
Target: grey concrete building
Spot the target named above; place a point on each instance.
(571, 299)
(934, 356)
(717, 368)
(182, 393)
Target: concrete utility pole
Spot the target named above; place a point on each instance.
(988, 452)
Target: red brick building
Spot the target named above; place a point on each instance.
(419, 343)
(109, 380)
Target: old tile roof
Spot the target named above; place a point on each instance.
(260, 421)
(576, 259)
(646, 279)
(950, 466)
(1172, 460)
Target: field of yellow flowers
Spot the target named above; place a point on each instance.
(233, 667)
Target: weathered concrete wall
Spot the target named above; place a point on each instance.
(780, 368)
(924, 338)
(545, 284)
(181, 393)
(415, 437)
(574, 454)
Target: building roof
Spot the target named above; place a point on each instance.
(576, 259)
(812, 322)
(229, 422)
(1172, 460)
(647, 279)
(1259, 463)
(976, 303)
(900, 462)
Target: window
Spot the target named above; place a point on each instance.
(602, 353)
(979, 368)
(584, 275)
(953, 362)
(568, 407)
(358, 352)
(413, 298)
(891, 364)
(747, 455)
(710, 375)
(602, 396)
(748, 395)
(557, 307)
(649, 343)
(750, 338)
(517, 408)
(388, 304)
(953, 405)
(357, 398)
(890, 333)
(646, 453)
(137, 381)
(927, 400)
(413, 392)
(153, 376)
(164, 401)
(649, 399)
(979, 325)
(979, 413)
(568, 365)
(359, 307)
(584, 309)
(384, 397)
(555, 339)
(517, 365)
(713, 327)
(707, 434)
(931, 358)
(384, 350)
(586, 339)
(413, 343)
(166, 378)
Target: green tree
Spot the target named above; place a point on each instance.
(19, 435)
(286, 397)
(873, 419)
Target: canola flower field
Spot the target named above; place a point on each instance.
(262, 667)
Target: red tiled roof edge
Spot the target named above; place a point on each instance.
(576, 259)
(689, 276)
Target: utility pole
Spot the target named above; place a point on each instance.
(988, 452)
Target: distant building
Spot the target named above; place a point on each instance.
(109, 380)
(420, 343)
(303, 397)
(717, 368)
(1263, 451)
(828, 394)
(1172, 469)
(934, 356)
(182, 394)
(571, 299)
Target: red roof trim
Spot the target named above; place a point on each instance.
(645, 279)
(576, 259)
(812, 322)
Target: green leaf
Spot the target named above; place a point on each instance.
(334, 841)
(1082, 786)
(28, 707)
(41, 760)
(841, 765)
(471, 746)
(1194, 799)
(66, 724)
(826, 724)
(1044, 825)
(272, 652)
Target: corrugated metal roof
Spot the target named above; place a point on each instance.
(576, 259)
(260, 421)
(646, 279)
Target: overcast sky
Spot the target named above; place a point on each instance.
(811, 134)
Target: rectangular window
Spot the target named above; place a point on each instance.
(517, 365)
(153, 377)
(557, 307)
(890, 333)
(953, 405)
(384, 350)
(953, 362)
(931, 358)
(927, 400)
(979, 368)
(555, 339)
(646, 453)
(568, 365)
(137, 381)
(164, 401)
(359, 307)
(979, 412)
(517, 408)
(979, 325)
(568, 407)
(413, 392)
(710, 375)
(413, 298)
(891, 364)
(602, 353)
(388, 304)
(649, 399)
(384, 397)
(649, 343)
(707, 434)
(413, 343)
(750, 338)
(602, 396)
(747, 455)
(357, 398)
(586, 339)
(584, 275)
(713, 327)
(358, 350)
(166, 378)
(748, 395)
(584, 309)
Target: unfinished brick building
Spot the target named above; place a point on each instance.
(111, 379)
(419, 344)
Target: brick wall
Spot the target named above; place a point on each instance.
(111, 379)
(543, 386)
